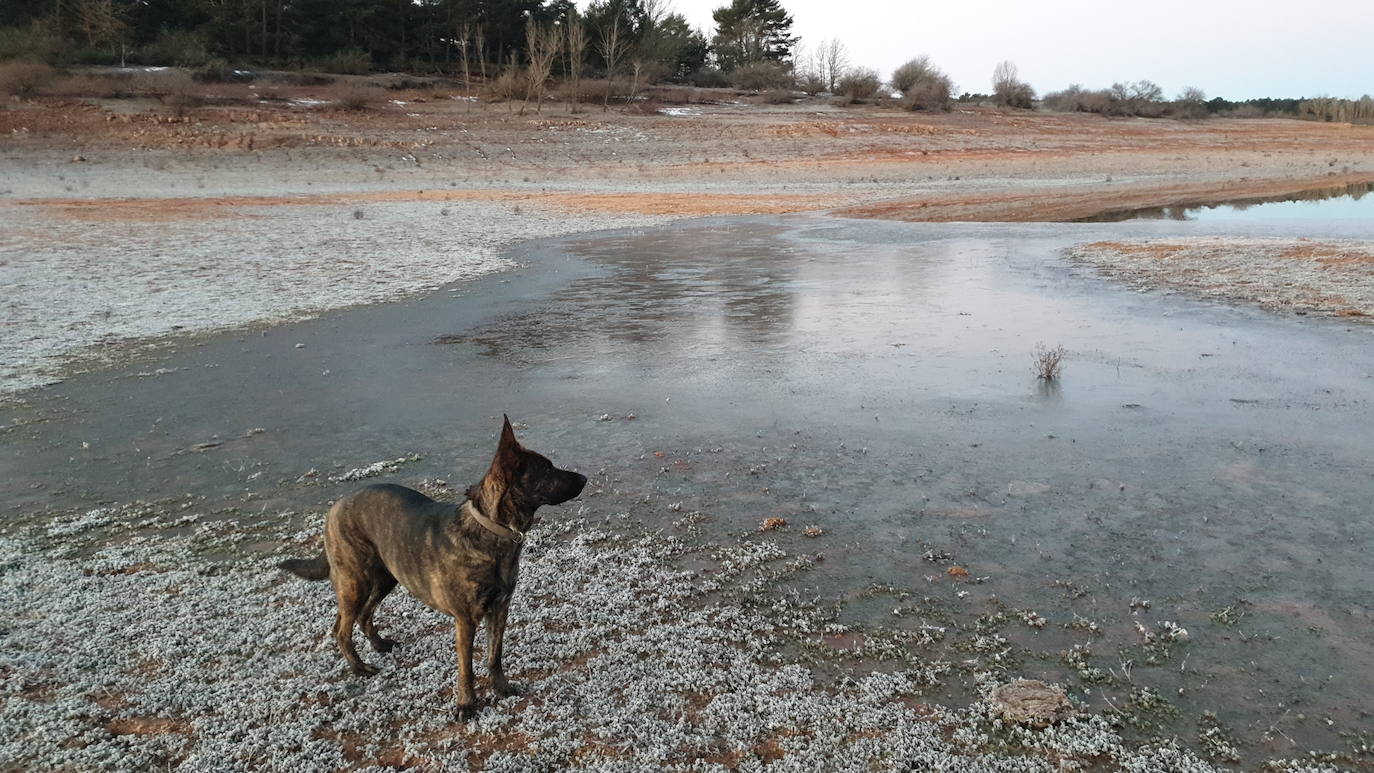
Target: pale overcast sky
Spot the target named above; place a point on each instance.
(1235, 49)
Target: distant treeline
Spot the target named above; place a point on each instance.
(418, 36)
(1319, 109)
(1341, 110)
(336, 35)
(507, 43)
(1145, 99)
(1255, 107)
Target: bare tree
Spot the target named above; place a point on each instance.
(542, 46)
(832, 60)
(611, 50)
(479, 45)
(638, 67)
(654, 11)
(464, 44)
(1141, 98)
(1191, 103)
(810, 70)
(1008, 90)
(577, 49)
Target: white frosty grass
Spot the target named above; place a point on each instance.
(140, 656)
(71, 286)
(374, 469)
(1277, 273)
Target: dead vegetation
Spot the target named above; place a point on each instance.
(24, 79)
(355, 96)
(1048, 363)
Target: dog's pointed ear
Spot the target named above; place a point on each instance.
(508, 441)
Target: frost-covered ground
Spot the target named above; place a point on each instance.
(74, 286)
(125, 647)
(1285, 274)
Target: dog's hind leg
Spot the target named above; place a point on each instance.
(352, 592)
(496, 633)
(463, 630)
(382, 584)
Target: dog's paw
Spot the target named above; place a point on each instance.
(364, 669)
(383, 644)
(504, 689)
(465, 711)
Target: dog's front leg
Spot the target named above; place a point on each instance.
(496, 634)
(463, 630)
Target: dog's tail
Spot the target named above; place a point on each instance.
(309, 568)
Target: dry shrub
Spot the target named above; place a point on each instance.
(24, 79)
(350, 61)
(673, 95)
(123, 85)
(923, 85)
(762, 76)
(1077, 99)
(811, 83)
(709, 78)
(645, 106)
(183, 103)
(928, 95)
(402, 82)
(1046, 362)
(509, 85)
(1191, 104)
(103, 86)
(355, 96)
(779, 97)
(304, 79)
(220, 71)
(859, 84)
(182, 48)
(1010, 91)
(597, 91)
(163, 84)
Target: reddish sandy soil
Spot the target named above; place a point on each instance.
(732, 158)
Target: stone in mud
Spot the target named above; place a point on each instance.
(1030, 702)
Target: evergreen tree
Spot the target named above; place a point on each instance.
(750, 31)
(680, 49)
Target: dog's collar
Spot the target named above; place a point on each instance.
(510, 533)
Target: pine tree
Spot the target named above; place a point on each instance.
(750, 31)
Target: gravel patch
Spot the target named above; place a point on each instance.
(125, 650)
(1296, 275)
(74, 287)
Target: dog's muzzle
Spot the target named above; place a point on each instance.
(576, 482)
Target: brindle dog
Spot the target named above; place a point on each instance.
(458, 559)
